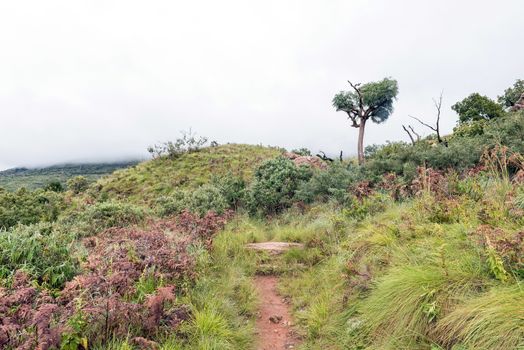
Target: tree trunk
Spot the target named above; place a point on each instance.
(361, 141)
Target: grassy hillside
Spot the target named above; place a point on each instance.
(33, 178)
(163, 176)
(153, 256)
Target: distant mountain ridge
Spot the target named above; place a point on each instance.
(37, 177)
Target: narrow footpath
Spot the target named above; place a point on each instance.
(274, 325)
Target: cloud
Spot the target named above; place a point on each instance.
(100, 80)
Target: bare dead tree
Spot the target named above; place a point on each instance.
(411, 133)
(323, 156)
(436, 128)
(414, 132)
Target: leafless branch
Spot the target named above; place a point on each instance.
(438, 106)
(425, 124)
(414, 132)
(409, 134)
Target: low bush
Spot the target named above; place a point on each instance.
(103, 215)
(207, 198)
(172, 205)
(359, 209)
(29, 207)
(274, 186)
(77, 184)
(333, 183)
(188, 143)
(463, 150)
(232, 188)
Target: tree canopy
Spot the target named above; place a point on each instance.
(372, 100)
(512, 94)
(477, 107)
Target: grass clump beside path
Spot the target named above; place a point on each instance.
(428, 273)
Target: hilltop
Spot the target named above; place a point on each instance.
(164, 176)
(421, 247)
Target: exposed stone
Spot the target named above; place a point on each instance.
(274, 247)
(312, 161)
(275, 319)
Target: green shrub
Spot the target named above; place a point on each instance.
(232, 188)
(302, 151)
(332, 183)
(274, 185)
(172, 205)
(188, 143)
(29, 207)
(41, 250)
(373, 204)
(100, 216)
(477, 107)
(207, 198)
(54, 186)
(463, 151)
(77, 184)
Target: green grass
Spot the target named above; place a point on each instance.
(493, 320)
(223, 300)
(163, 176)
(413, 276)
(376, 275)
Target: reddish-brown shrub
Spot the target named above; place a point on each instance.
(30, 318)
(430, 180)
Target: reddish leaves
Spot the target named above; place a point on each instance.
(104, 294)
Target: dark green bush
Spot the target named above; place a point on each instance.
(40, 250)
(29, 207)
(232, 188)
(463, 151)
(54, 186)
(274, 185)
(332, 183)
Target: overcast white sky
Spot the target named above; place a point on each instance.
(102, 79)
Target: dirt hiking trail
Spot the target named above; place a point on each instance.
(274, 322)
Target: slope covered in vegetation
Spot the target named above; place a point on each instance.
(164, 175)
(33, 178)
(412, 250)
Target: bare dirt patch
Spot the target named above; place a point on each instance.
(274, 323)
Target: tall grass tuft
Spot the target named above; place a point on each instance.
(494, 320)
(407, 301)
